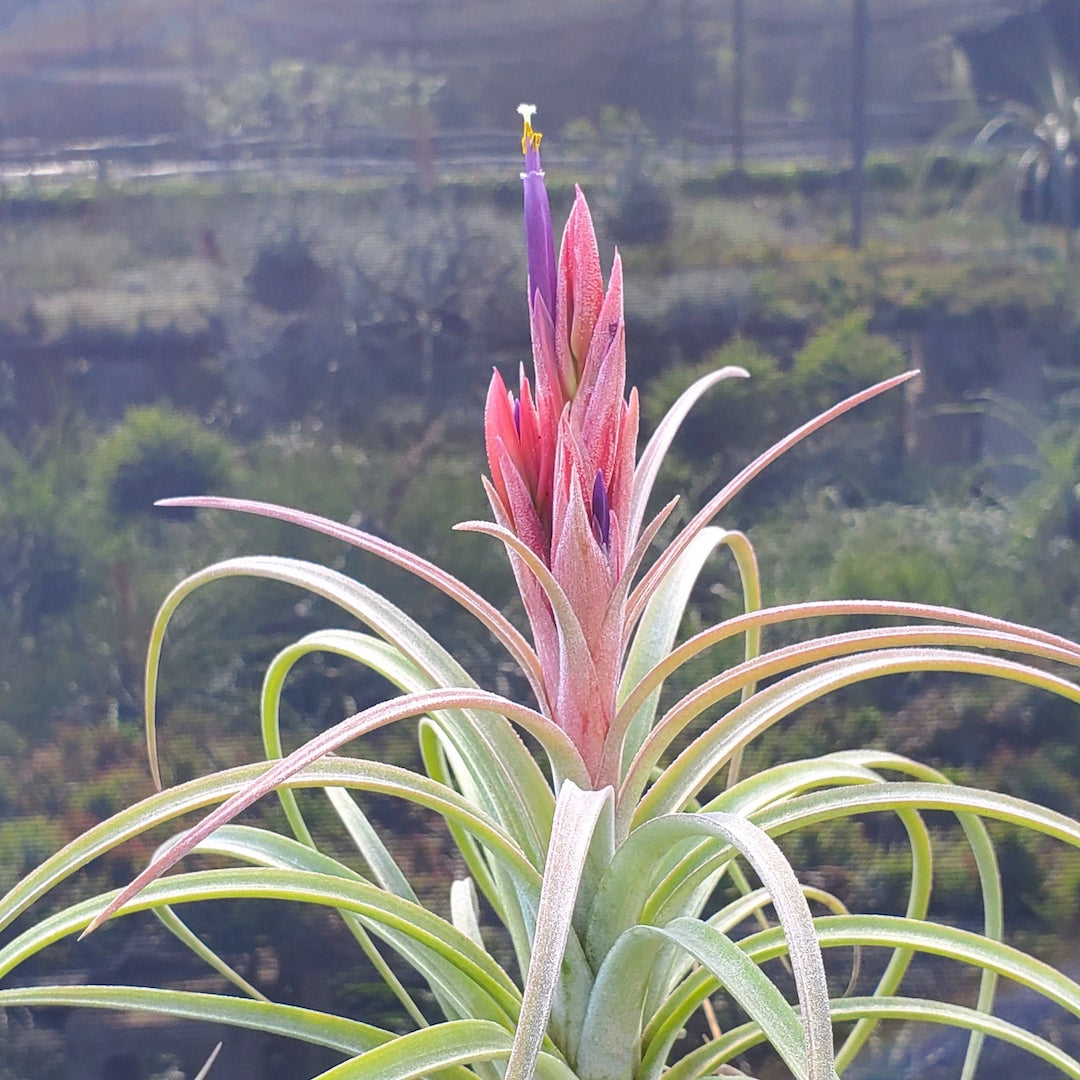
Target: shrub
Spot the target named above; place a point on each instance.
(841, 357)
(43, 559)
(285, 276)
(155, 453)
(950, 171)
(731, 421)
(883, 174)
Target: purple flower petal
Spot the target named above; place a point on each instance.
(539, 240)
(601, 510)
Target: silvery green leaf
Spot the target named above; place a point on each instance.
(577, 813)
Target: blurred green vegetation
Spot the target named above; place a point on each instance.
(154, 454)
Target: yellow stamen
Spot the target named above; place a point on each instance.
(529, 137)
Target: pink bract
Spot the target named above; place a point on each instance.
(562, 464)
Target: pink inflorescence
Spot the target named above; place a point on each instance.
(562, 461)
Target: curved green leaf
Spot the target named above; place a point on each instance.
(667, 1024)
(365, 649)
(377, 716)
(750, 578)
(675, 892)
(965, 946)
(652, 641)
(166, 806)
(265, 848)
(952, 798)
(706, 1059)
(687, 866)
(513, 783)
(619, 899)
(652, 457)
(610, 1044)
(986, 864)
(186, 936)
(436, 752)
(692, 769)
(643, 593)
(317, 1028)
(513, 901)
(994, 634)
(436, 1049)
(897, 932)
(480, 986)
(577, 814)
(501, 627)
(389, 662)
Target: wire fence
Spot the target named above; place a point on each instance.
(761, 81)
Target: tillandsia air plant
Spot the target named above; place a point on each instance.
(632, 871)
